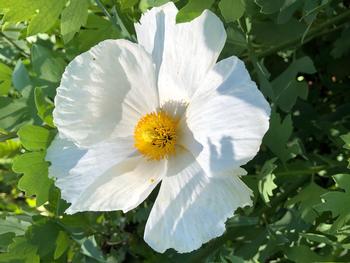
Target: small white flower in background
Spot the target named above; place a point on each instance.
(130, 116)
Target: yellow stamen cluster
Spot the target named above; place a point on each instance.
(155, 135)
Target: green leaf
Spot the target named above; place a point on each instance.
(319, 239)
(43, 13)
(14, 225)
(44, 236)
(231, 10)
(269, 6)
(89, 248)
(73, 17)
(286, 86)
(20, 76)
(287, 10)
(9, 148)
(18, 10)
(278, 135)
(5, 79)
(47, 64)
(334, 202)
(193, 9)
(266, 183)
(97, 29)
(35, 179)
(145, 4)
(20, 251)
(346, 139)
(35, 138)
(270, 33)
(342, 44)
(307, 198)
(127, 3)
(62, 244)
(49, 10)
(44, 107)
(302, 253)
(16, 112)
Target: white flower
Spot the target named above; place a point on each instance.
(130, 116)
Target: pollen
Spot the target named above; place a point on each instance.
(155, 135)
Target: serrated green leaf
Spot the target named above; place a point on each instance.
(73, 17)
(35, 179)
(266, 183)
(278, 135)
(97, 29)
(44, 107)
(35, 138)
(307, 198)
(193, 9)
(334, 202)
(231, 10)
(286, 86)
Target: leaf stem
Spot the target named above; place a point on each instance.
(11, 42)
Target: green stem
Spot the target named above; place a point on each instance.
(107, 14)
(7, 136)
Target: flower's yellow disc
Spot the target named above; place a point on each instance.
(155, 135)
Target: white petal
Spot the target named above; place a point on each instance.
(151, 29)
(75, 168)
(123, 187)
(191, 207)
(190, 51)
(226, 119)
(104, 90)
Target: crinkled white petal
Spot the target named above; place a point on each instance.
(75, 169)
(105, 90)
(191, 207)
(226, 118)
(123, 187)
(190, 51)
(152, 28)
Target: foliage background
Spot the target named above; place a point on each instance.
(298, 53)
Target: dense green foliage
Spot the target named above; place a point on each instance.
(298, 51)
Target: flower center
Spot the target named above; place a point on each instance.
(155, 135)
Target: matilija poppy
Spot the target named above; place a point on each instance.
(130, 116)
